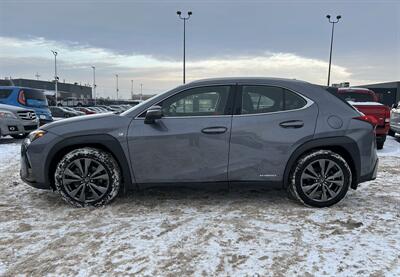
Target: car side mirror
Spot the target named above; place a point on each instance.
(152, 114)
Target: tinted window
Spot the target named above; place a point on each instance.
(197, 102)
(34, 94)
(267, 99)
(4, 93)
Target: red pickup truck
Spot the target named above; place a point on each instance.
(366, 101)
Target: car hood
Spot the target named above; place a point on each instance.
(88, 125)
(11, 108)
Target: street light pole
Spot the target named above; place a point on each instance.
(132, 89)
(179, 13)
(94, 84)
(333, 22)
(117, 89)
(141, 92)
(55, 74)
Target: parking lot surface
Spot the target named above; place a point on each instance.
(181, 232)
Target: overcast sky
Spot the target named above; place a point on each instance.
(142, 41)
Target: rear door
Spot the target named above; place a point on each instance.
(268, 124)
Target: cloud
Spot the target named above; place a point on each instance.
(22, 57)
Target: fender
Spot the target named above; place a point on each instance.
(344, 143)
(103, 141)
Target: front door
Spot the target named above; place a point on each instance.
(269, 122)
(190, 143)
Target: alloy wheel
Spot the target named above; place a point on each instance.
(86, 180)
(322, 180)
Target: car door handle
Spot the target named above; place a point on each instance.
(292, 124)
(214, 130)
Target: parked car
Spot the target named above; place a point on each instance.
(73, 110)
(17, 122)
(63, 112)
(234, 130)
(395, 119)
(85, 110)
(365, 101)
(32, 99)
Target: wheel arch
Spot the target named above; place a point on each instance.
(343, 146)
(103, 142)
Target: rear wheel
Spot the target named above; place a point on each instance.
(379, 144)
(320, 179)
(88, 177)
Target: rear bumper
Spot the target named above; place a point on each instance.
(371, 175)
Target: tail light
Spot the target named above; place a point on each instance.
(368, 118)
(387, 115)
(21, 97)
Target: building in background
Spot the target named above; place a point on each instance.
(388, 92)
(65, 90)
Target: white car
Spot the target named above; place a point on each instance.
(17, 122)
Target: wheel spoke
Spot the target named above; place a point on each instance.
(306, 189)
(331, 192)
(69, 181)
(334, 176)
(82, 196)
(87, 164)
(323, 195)
(330, 165)
(312, 194)
(99, 169)
(94, 191)
(322, 166)
(308, 176)
(79, 166)
(311, 169)
(75, 191)
(71, 174)
(101, 189)
(103, 176)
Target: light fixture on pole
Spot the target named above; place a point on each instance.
(333, 22)
(55, 74)
(94, 84)
(179, 13)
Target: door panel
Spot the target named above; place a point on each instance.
(190, 143)
(261, 143)
(176, 149)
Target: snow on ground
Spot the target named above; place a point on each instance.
(181, 232)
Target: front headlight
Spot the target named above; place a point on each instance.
(36, 134)
(6, 114)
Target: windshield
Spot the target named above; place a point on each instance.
(35, 98)
(138, 106)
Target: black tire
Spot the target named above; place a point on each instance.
(98, 159)
(20, 136)
(379, 144)
(391, 133)
(295, 188)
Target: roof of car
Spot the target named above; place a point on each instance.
(245, 79)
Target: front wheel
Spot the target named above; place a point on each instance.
(320, 179)
(88, 177)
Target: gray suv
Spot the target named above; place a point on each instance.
(229, 130)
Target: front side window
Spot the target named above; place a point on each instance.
(267, 99)
(197, 102)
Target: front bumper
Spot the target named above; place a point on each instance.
(26, 169)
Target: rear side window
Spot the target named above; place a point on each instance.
(356, 97)
(5, 93)
(267, 99)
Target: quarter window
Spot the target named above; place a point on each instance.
(267, 99)
(197, 102)
(5, 93)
